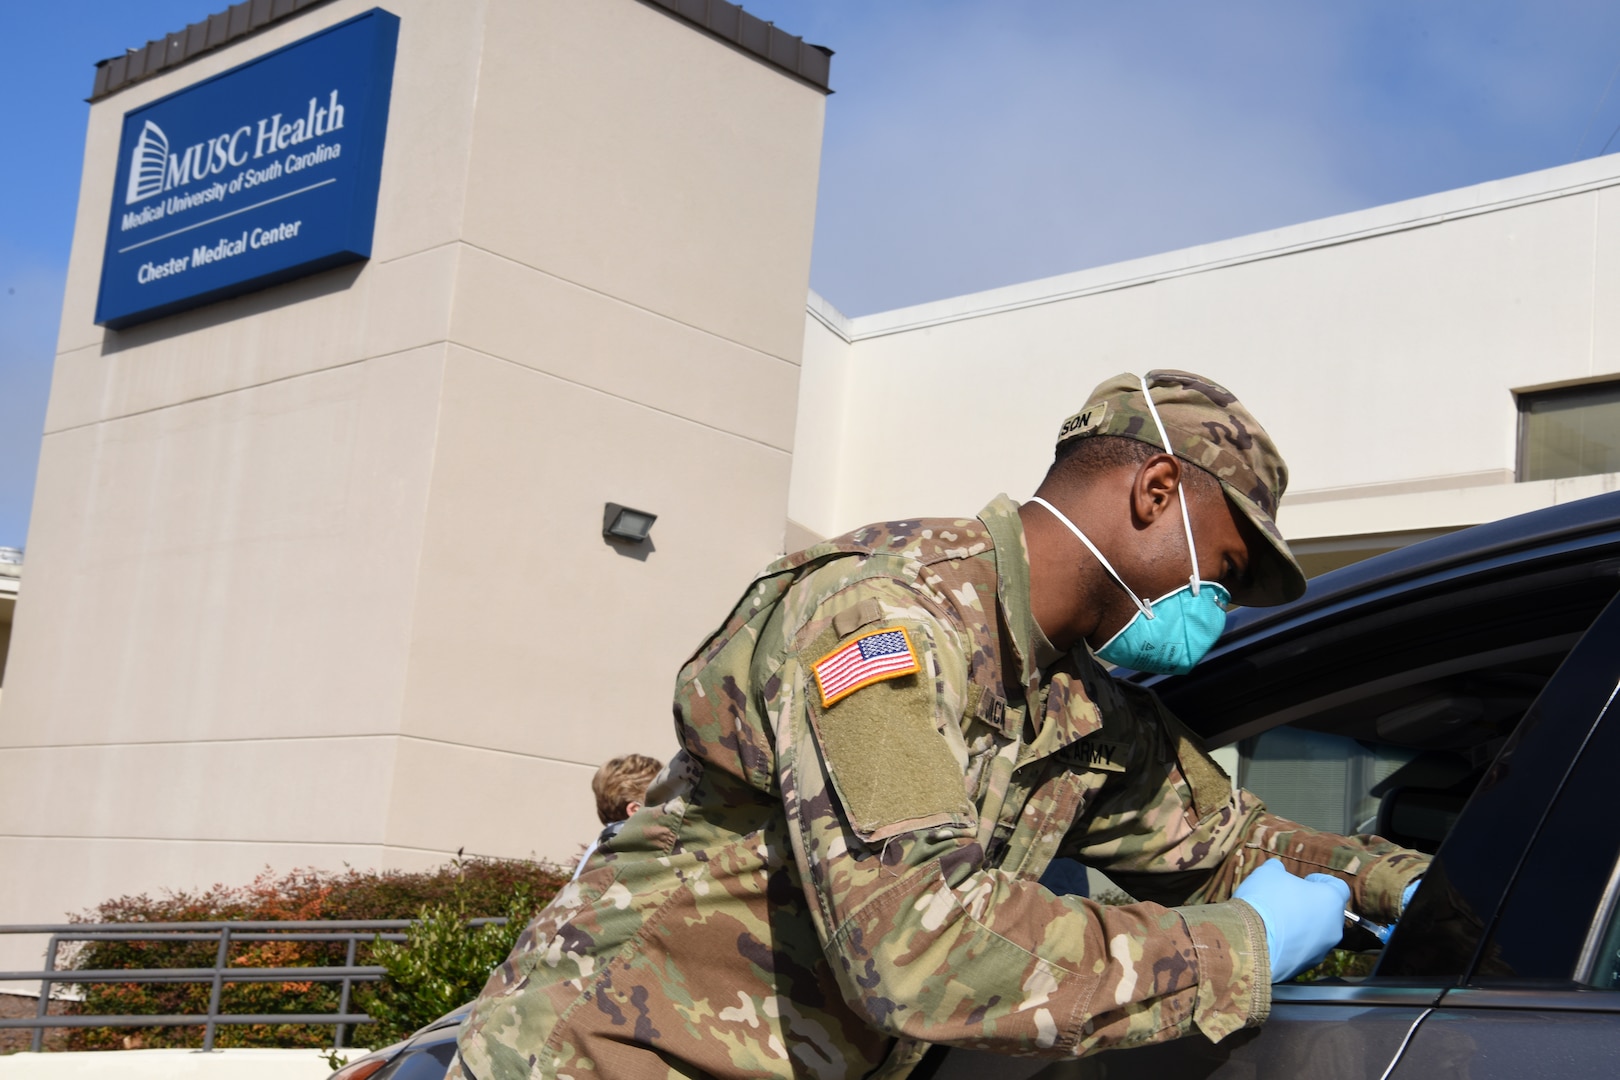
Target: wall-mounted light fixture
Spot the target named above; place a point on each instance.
(623, 523)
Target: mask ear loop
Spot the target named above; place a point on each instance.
(1181, 488)
(1144, 608)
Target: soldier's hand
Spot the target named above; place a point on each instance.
(1304, 917)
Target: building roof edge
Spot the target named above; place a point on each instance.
(204, 36)
(728, 22)
(822, 310)
(760, 39)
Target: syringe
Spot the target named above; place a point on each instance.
(1377, 930)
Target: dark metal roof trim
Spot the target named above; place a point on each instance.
(726, 21)
(216, 31)
(753, 35)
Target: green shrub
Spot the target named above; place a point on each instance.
(475, 887)
(441, 965)
(1340, 964)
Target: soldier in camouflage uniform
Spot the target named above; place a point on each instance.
(840, 866)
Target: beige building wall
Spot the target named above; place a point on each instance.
(316, 575)
(1380, 348)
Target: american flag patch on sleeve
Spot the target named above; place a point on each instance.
(870, 658)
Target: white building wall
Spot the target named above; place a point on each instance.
(1381, 349)
(820, 435)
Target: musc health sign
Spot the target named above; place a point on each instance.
(261, 174)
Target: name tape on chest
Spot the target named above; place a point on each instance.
(1098, 755)
(870, 658)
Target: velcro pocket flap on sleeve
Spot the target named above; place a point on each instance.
(890, 766)
(1208, 783)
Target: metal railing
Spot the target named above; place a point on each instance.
(352, 932)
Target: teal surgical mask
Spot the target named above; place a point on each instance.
(1167, 636)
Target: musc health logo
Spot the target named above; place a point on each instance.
(147, 164)
(154, 170)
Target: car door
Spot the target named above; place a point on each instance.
(1542, 996)
(1323, 1031)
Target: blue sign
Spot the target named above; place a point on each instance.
(261, 174)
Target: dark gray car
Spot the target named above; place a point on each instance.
(1464, 691)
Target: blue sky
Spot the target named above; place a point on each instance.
(974, 144)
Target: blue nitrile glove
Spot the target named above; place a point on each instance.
(1406, 894)
(1304, 917)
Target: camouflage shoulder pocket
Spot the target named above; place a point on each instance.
(875, 704)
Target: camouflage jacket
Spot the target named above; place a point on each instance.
(840, 867)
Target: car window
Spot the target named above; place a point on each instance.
(1415, 797)
(1454, 671)
(1514, 889)
(1559, 902)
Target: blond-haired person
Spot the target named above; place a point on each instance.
(620, 787)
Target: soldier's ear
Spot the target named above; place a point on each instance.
(1153, 489)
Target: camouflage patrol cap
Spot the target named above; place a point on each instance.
(1210, 428)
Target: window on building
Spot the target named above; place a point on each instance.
(1570, 432)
